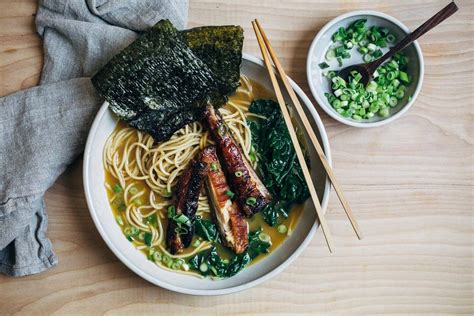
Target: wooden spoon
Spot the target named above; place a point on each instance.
(367, 70)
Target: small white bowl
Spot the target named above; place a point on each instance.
(320, 84)
(275, 262)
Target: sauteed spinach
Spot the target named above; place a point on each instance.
(278, 165)
(210, 263)
(207, 230)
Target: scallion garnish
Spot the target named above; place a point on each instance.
(238, 174)
(353, 99)
(157, 257)
(119, 220)
(203, 267)
(323, 65)
(282, 229)
(230, 194)
(403, 76)
(183, 219)
(265, 238)
(171, 211)
(367, 40)
(131, 231)
(251, 201)
(214, 166)
(117, 188)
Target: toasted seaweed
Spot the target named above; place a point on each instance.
(147, 122)
(220, 48)
(158, 83)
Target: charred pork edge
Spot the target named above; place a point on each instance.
(254, 184)
(235, 242)
(188, 188)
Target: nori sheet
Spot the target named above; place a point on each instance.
(158, 83)
(220, 48)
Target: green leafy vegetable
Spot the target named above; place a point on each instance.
(206, 229)
(278, 166)
(171, 211)
(147, 238)
(210, 263)
(256, 245)
(151, 220)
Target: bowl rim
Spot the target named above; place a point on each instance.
(323, 103)
(94, 214)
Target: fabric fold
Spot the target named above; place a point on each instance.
(44, 129)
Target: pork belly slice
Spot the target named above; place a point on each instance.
(185, 201)
(251, 195)
(226, 213)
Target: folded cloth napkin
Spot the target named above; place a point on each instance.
(43, 129)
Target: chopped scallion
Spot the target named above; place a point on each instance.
(119, 220)
(171, 211)
(323, 65)
(203, 267)
(403, 76)
(282, 229)
(157, 257)
(251, 201)
(330, 55)
(117, 188)
(265, 238)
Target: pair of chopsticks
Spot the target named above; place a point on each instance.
(266, 48)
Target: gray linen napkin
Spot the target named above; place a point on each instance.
(43, 129)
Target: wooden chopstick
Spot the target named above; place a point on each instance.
(294, 139)
(310, 131)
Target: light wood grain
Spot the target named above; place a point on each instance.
(411, 184)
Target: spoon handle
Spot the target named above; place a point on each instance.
(436, 19)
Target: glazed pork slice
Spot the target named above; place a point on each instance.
(180, 230)
(230, 221)
(252, 195)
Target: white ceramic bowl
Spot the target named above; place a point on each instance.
(101, 213)
(320, 84)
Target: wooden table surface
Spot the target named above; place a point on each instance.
(409, 183)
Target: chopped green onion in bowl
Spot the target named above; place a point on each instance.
(352, 99)
(365, 35)
(367, 40)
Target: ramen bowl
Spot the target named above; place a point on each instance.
(272, 264)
